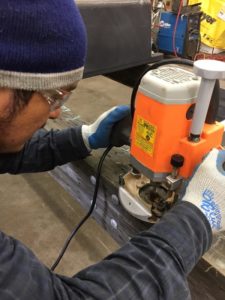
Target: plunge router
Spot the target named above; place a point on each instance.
(170, 136)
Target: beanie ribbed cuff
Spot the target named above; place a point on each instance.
(39, 81)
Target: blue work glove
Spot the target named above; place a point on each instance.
(97, 135)
(206, 189)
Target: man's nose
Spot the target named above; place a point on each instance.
(55, 113)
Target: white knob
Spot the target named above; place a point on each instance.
(210, 69)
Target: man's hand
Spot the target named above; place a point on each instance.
(206, 189)
(97, 135)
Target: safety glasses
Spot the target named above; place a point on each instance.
(56, 98)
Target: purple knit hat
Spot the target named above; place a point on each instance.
(42, 44)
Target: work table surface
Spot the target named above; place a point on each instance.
(77, 179)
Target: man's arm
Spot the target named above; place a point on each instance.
(153, 265)
(45, 150)
(48, 149)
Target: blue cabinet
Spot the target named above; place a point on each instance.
(165, 34)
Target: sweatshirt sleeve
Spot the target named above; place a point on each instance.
(155, 263)
(152, 265)
(44, 151)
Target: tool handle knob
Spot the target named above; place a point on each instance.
(177, 160)
(121, 132)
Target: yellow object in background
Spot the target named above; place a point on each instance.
(212, 22)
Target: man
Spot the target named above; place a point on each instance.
(42, 53)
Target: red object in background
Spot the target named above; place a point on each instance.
(200, 55)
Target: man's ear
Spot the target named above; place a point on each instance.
(55, 114)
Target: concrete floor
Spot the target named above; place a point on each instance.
(38, 212)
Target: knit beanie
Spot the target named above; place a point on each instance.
(42, 44)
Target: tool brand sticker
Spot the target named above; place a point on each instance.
(145, 135)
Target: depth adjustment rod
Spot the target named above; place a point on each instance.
(209, 70)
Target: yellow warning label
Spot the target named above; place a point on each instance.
(145, 135)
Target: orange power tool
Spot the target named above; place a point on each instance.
(170, 135)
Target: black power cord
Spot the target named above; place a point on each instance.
(78, 226)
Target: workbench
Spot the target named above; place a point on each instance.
(207, 281)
